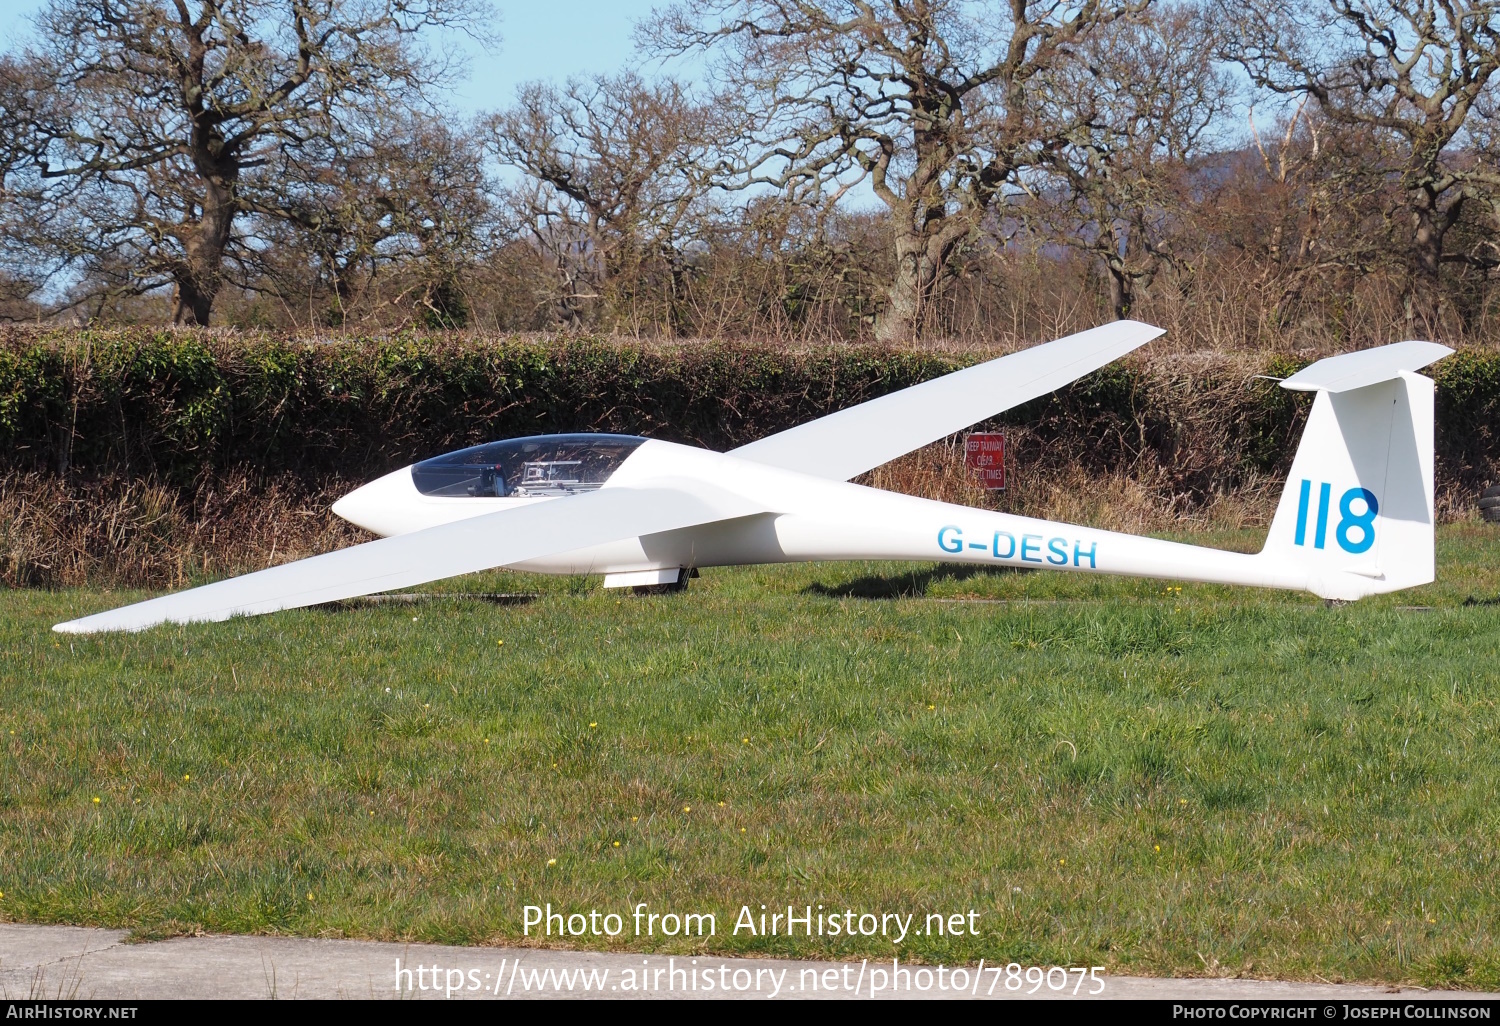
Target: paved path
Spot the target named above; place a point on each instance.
(50, 962)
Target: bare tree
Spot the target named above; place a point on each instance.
(1144, 97)
(1289, 163)
(1407, 74)
(612, 169)
(1305, 208)
(150, 126)
(931, 101)
(1484, 133)
(411, 202)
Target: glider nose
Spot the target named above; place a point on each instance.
(386, 506)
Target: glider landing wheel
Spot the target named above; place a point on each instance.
(681, 584)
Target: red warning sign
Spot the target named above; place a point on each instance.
(984, 454)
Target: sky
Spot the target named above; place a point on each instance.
(550, 40)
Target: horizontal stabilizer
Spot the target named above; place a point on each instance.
(1366, 367)
(477, 543)
(848, 443)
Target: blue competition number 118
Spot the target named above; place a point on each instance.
(1363, 522)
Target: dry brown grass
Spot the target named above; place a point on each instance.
(133, 533)
(1139, 500)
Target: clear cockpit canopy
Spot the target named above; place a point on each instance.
(541, 465)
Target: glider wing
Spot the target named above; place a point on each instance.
(848, 443)
(479, 543)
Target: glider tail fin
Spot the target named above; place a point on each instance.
(1357, 512)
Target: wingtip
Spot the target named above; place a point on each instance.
(1153, 330)
(90, 625)
(82, 625)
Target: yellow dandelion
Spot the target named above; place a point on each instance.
(554, 765)
(486, 740)
(1158, 847)
(500, 642)
(721, 805)
(742, 830)
(617, 844)
(931, 707)
(634, 818)
(186, 777)
(1062, 862)
(96, 801)
(551, 862)
(687, 808)
(309, 896)
(2, 894)
(592, 725)
(745, 740)
(1182, 801)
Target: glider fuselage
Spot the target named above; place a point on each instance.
(817, 519)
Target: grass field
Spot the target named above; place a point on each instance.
(1113, 772)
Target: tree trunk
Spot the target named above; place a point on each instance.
(192, 303)
(677, 314)
(1121, 291)
(1124, 246)
(201, 272)
(1426, 306)
(917, 272)
(1427, 239)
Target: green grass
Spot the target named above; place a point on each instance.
(1208, 780)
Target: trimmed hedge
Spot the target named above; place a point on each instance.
(175, 407)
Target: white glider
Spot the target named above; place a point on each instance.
(1356, 517)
